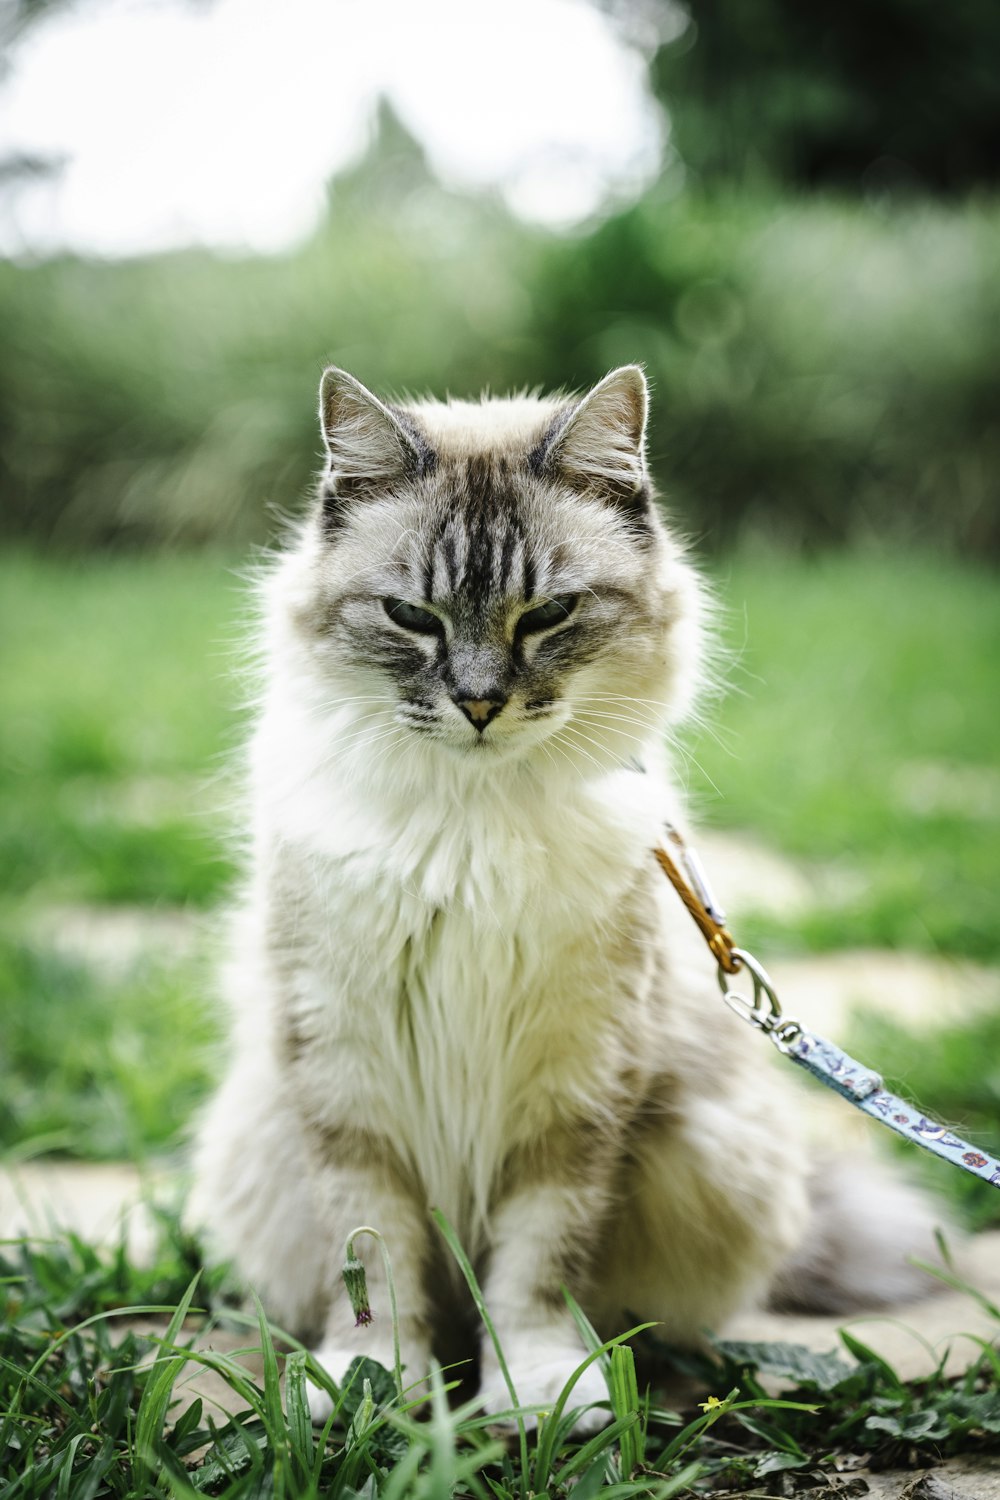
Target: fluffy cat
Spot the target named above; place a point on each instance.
(456, 975)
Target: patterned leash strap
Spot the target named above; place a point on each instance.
(840, 1072)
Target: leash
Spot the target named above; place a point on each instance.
(840, 1072)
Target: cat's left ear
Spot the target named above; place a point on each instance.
(600, 447)
(370, 446)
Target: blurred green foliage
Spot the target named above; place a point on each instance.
(890, 94)
(861, 731)
(99, 1065)
(822, 368)
(112, 727)
(958, 1068)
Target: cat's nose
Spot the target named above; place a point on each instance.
(480, 711)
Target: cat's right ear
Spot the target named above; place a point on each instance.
(370, 445)
(599, 443)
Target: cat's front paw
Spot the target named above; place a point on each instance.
(539, 1381)
(336, 1362)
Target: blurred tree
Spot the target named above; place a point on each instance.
(824, 369)
(892, 93)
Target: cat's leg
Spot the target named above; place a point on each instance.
(544, 1231)
(712, 1200)
(358, 1180)
(278, 1197)
(252, 1198)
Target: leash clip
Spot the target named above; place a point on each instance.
(763, 1010)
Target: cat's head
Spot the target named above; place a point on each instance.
(494, 575)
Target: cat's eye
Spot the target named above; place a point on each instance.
(412, 617)
(544, 616)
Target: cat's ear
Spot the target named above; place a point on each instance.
(600, 447)
(369, 444)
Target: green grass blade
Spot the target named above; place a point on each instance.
(866, 1356)
(300, 1428)
(274, 1416)
(959, 1284)
(687, 1435)
(589, 1335)
(548, 1435)
(155, 1399)
(601, 1442)
(624, 1392)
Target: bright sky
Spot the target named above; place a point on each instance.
(220, 123)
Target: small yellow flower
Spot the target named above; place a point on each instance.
(710, 1404)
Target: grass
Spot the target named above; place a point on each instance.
(115, 710)
(104, 1067)
(861, 733)
(90, 1407)
(960, 1071)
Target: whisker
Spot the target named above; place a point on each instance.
(357, 731)
(546, 752)
(569, 729)
(691, 759)
(637, 723)
(625, 698)
(329, 703)
(393, 743)
(552, 745)
(362, 741)
(613, 729)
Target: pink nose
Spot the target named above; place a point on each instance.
(480, 711)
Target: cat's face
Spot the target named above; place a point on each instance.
(495, 576)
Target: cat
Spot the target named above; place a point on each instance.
(456, 976)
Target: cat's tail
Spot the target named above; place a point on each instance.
(868, 1226)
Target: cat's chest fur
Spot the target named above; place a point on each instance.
(449, 972)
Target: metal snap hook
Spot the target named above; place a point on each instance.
(764, 1009)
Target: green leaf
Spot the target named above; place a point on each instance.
(380, 1382)
(774, 1436)
(590, 1482)
(601, 1442)
(802, 1366)
(775, 1463)
(624, 1392)
(866, 1356)
(465, 1266)
(187, 1423)
(274, 1417)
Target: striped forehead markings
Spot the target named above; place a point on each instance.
(477, 558)
(480, 546)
